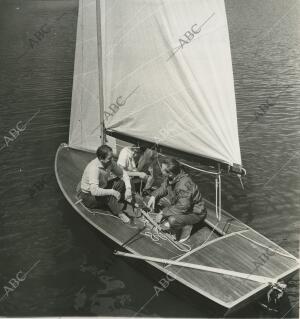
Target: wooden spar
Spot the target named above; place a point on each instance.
(100, 72)
(169, 151)
(256, 278)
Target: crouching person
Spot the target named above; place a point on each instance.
(127, 160)
(142, 174)
(178, 199)
(99, 188)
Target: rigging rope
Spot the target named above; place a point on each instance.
(95, 212)
(218, 197)
(190, 166)
(271, 249)
(155, 234)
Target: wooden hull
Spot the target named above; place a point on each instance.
(231, 245)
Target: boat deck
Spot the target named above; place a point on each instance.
(228, 244)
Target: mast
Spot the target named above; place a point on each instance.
(100, 72)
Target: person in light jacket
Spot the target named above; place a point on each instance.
(105, 183)
(137, 161)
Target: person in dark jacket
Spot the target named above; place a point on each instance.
(179, 200)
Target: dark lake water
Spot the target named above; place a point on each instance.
(65, 258)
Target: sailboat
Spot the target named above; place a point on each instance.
(160, 72)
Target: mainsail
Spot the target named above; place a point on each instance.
(167, 76)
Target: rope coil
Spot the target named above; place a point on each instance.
(155, 234)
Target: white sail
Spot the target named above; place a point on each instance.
(85, 110)
(167, 75)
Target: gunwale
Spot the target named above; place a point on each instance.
(227, 305)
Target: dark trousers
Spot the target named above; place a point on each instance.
(180, 220)
(103, 202)
(137, 185)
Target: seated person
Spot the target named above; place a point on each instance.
(128, 158)
(180, 200)
(100, 188)
(147, 164)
